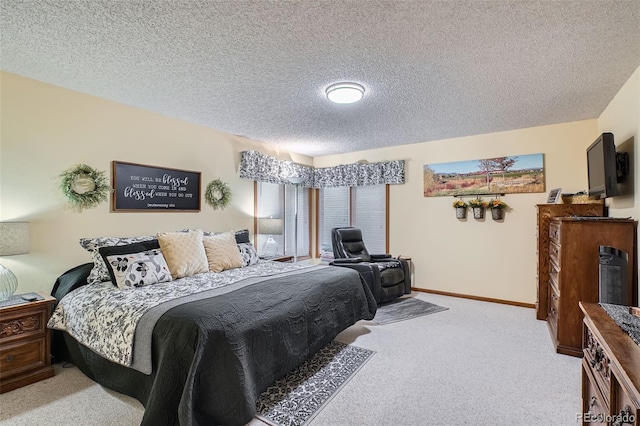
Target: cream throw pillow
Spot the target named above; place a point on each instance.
(183, 252)
(222, 251)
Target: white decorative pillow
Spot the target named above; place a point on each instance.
(99, 273)
(184, 252)
(248, 254)
(139, 269)
(222, 251)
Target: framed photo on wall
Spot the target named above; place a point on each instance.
(518, 174)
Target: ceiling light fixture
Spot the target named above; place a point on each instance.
(345, 93)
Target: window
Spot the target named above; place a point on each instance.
(333, 212)
(363, 207)
(278, 202)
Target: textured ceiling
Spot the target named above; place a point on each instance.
(432, 70)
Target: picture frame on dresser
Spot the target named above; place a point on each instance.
(554, 196)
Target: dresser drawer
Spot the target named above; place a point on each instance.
(554, 252)
(554, 299)
(554, 276)
(624, 409)
(21, 357)
(594, 405)
(554, 231)
(598, 362)
(552, 312)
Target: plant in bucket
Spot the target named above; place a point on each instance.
(478, 205)
(461, 209)
(497, 207)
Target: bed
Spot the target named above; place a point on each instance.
(205, 356)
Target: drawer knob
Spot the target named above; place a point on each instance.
(594, 401)
(9, 358)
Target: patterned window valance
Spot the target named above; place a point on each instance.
(357, 174)
(255, 165)
(264, 168)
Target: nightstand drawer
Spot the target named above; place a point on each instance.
(20, 357)
(23, 324)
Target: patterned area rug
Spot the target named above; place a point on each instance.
(300, 395)
(403, 309)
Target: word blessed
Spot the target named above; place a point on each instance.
(157, 187)
(624, 417)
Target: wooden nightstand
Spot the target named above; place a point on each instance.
(279, 258)
(25, 344)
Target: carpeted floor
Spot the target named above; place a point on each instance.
(477, 363)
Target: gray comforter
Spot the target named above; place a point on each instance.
(213, 357)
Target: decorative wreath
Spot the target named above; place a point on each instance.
(218, 194)
(84, 187)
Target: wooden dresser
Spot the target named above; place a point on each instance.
(574, 272)
(610, 371)
(25, 344)
(545, 213)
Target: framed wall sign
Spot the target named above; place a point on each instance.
(138, 187)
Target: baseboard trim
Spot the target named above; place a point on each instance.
(468, 296)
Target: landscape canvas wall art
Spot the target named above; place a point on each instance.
(508, 175)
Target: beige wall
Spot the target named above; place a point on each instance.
(480, 258)
(47, 129)
(622, 118)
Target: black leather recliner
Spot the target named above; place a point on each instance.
(387, 277)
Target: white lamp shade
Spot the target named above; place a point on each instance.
(14, 238)
(270, 226)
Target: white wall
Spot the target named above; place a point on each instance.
(47, 129)
(479, 258)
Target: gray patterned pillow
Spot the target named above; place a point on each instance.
(99, 273)
(248, 253)
(139, 269)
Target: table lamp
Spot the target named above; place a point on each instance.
(270, 226)
(14, 239)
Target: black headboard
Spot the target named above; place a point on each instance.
(70, 280)
(65, 284)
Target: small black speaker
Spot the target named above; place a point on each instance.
(614, 286)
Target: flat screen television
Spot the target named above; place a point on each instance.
(601, 167)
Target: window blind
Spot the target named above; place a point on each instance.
(370, 215)
(333, 205)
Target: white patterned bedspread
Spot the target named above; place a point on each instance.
(104, 318)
